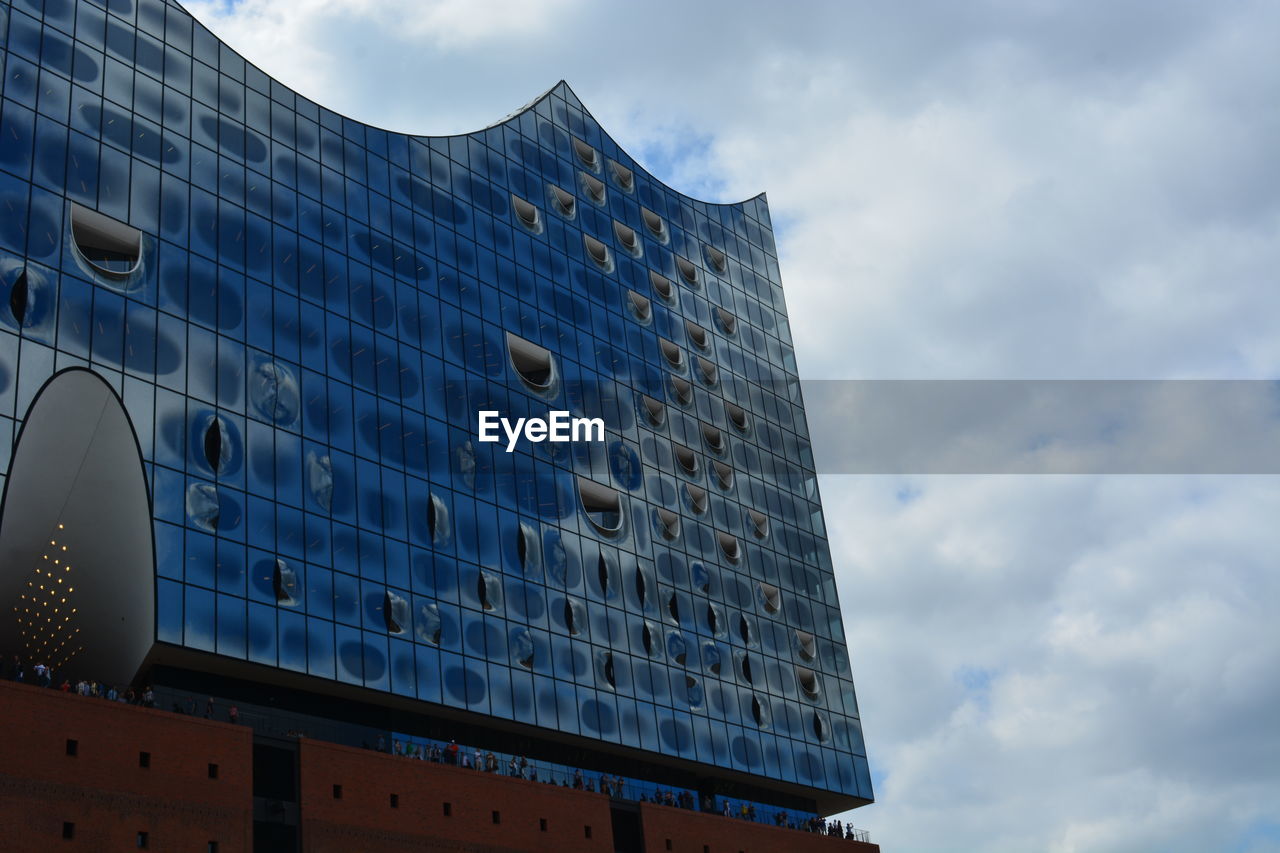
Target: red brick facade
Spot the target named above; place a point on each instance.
(683, 831)
(103, 792)
(485, 811)
(348, 799)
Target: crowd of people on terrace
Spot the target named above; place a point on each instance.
(41, 675)
(452, 753)
(519, 767)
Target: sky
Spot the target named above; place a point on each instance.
(1040, 189)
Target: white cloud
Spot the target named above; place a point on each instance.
(1124, 630)
(404, 64)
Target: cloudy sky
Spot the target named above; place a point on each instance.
(1038, 189)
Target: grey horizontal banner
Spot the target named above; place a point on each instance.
(1044, 426)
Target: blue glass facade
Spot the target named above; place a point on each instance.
(303, 314)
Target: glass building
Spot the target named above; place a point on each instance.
(243, 345)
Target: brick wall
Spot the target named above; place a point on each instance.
(363, 817)
(105, 794)
(103, 791)
(694, 832)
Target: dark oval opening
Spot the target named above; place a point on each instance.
(564, 200)
(808, 647)
(729, 547)
(395, 612)
(624, 176)
(585, 152)
(716, 259)
(728, 322)
(284, 582)
(673, 354)
(697, 335)
(808, 681)
(594, 187)
(737, 416)
(714, 437)
(668, 523)
(213, 444)
(687, 270)
(687, 458)
(109, 246)
(654, 410)
(708, 371)
(626, 236)
(531, 362)
(662, 286)
(653, 222)
(526, 212)
(682, 389)
(602, 571)
(697, 498)
(602, 505)
(597, 251)
(608, 669)
(724, 475)
(526, 546)
(770, 598)
(18, 297)
(641, 307)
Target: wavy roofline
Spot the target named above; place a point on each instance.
(565, 84)
(505, 120)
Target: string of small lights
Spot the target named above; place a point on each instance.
(45, 609)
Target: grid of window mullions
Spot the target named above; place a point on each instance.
(346, 165)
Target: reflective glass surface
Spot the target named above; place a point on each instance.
(311, 316)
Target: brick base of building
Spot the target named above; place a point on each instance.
(84, 773)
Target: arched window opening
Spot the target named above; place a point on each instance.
(602, 506)
(111, 247)
(532, 363)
